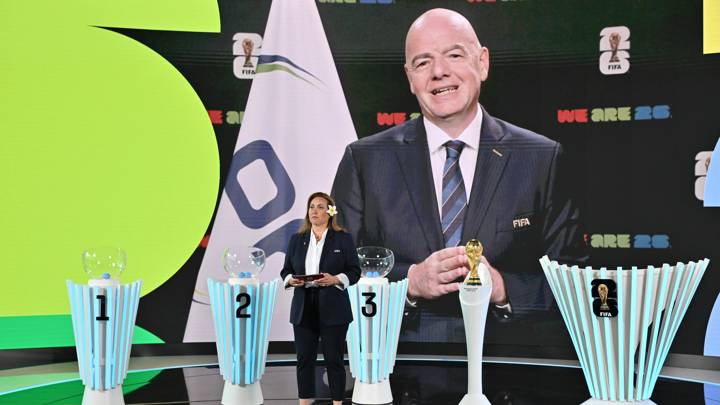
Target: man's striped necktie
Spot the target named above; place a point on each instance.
(453, 195)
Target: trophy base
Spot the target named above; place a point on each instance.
(474, 399)
(372, 394)
(234, 394)
(473, 281)
(107, 397)
(595, 401)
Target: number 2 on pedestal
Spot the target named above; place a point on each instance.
(244, 303)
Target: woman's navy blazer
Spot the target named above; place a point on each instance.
(338, 256)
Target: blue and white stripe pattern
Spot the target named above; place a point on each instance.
(372, 341)
(454, 198)
(651, 305)
(242, 343)
(103, 346)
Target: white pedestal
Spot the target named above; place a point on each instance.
(103, 316)
(474, 400)
(242, 394)
(593, 401)
(372, 394)
(373, 336)
(474, 301)
(107, 397)
(242, 312)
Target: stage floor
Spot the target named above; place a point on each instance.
(413, 382)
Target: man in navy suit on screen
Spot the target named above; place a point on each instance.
(426, 187)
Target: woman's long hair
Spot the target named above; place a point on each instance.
(306, 226)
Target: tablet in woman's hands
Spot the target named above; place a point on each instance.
(307, 277)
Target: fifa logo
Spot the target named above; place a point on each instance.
(614, 46)
(246, 49)
(604, 294)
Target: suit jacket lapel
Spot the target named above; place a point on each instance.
(414, 160)
(326, 247)
(304, 244)
(488, 171)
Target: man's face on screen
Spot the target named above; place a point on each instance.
(445, 66)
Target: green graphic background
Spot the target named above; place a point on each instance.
(104, 143)
(70, 392)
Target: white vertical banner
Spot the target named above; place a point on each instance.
(293, 135)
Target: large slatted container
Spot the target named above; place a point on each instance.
(621, 355)
(373, 335)
(103, 318)
(242, 314)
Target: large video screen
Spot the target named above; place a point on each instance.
(146, 135)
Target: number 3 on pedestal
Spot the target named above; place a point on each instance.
(369, 302)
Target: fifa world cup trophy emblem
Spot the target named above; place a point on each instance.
(248, 45)
(603, 293)
(614, 40)
(473, 250)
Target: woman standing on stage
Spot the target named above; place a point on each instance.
(321, 309)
